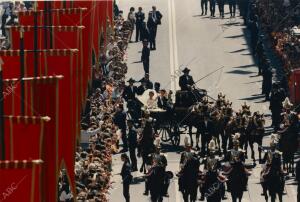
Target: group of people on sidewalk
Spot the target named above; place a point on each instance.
(99, 133)
(145, 32)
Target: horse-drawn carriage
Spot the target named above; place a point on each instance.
(169, 124)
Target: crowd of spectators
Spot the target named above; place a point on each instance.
(99, 134)
(9, 12)
(281, 19)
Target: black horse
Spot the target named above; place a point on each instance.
(213, 187)
(237, 181)
(255, 133)
(273, 180)
(146, 145)
(288, 144)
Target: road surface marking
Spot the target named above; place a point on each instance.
(177, 196)
(173, 45)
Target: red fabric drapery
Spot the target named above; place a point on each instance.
(20, 181)
(20, 132)
(43, 100)
(67, 60)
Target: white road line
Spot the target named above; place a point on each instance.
(177, 196)
(173, 45)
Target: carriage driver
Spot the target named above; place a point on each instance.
(186, 81)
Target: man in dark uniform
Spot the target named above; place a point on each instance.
(154, 19)
(161, 160)
(132, 141)
(204, 6)
(146, 79)
(276, 99)
(130, 91)
(260, 56)
(188, 175)
(142, 88)
(267, 80)
(126, 176)
(212, 7)
(120, 121)
(221, 4)
(157, 87)
(145, 57)
(129, 94)
(186, 81)
(156, 179)
(254, 33)
(205, 128)
(139, 17)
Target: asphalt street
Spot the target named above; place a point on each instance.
(204, 44)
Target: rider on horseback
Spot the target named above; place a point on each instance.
(212, 186)
(236, 170)
(272, 175)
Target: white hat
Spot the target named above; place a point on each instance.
(286, 103)
(235, 137)
(187, 142)
(273, 140)
(212, 146)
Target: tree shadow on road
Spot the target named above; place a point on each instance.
(239, 50)
(243, 72)
(253, 97)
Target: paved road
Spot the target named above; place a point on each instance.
(204, 44)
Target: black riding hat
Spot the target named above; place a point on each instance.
(186, 70)
(131, 80)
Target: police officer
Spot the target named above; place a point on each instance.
(120, 120)
(161, 160)
(188, 175)
(145, 58)
(156, 176)
(277, 97)
(267, 80)
(130, 91)
(132, 143)
(206, 129)
(129, 94)
(261, 56)
(139, 17)
(126, 176)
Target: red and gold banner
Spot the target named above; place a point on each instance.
(20, 181)
(70, 106)
(20, 132)
(44, 100)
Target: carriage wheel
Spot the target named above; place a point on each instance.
(165, 133)
(175, 138)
